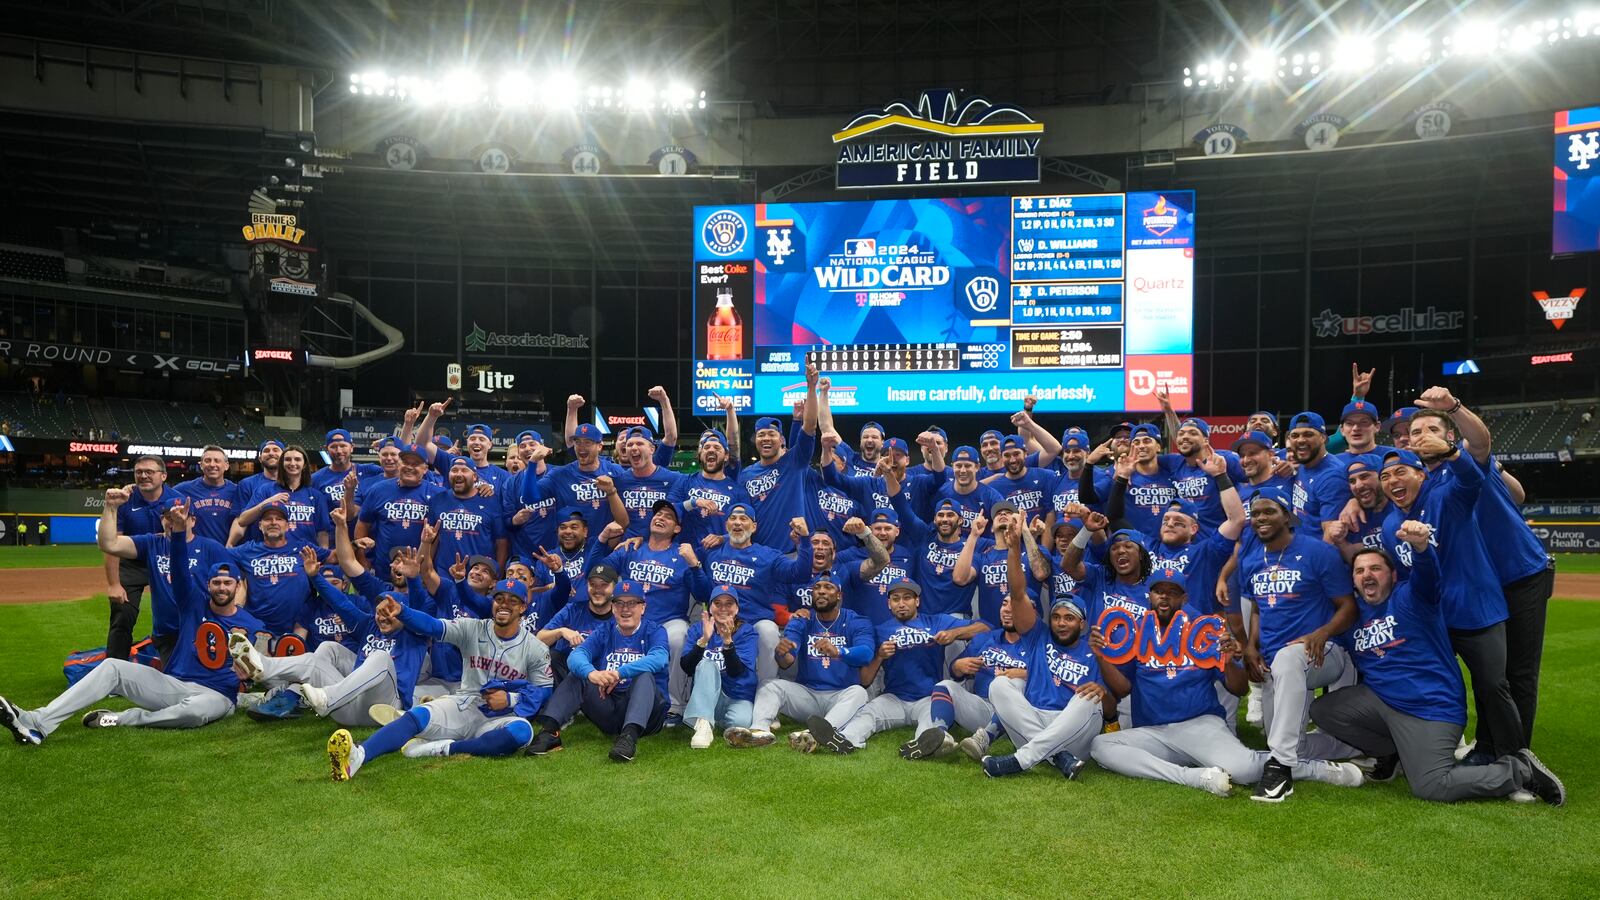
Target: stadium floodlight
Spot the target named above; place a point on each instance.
(462, 87)
(638, 94)
(1353, 54)
(1410, 47)
(560, 90)
(1477, 38)
(515, 89)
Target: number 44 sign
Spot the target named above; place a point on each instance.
(1221, 139)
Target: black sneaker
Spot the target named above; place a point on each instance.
(1277, 783)
(1542, 782)
(1068, 765)
(1384, 768)
(11, 719)
(545, 743)
(625, 747)
(924, 745)
(825, 736)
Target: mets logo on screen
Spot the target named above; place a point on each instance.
(724, 232)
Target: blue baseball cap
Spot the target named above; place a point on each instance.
(270, 442)
(1013, 442)
(1068, 602)
(410, 450)
(274, 507)
(1133, 535)
(714, 436)
(885, 515)
(1308, 419)
(1265, 412)
(515, 588)
(1401, 416)
(480, 560)
(725, 590)
(1073, 522)
(768, 422)
(479, 428)
(897, 444)
(881, 432)
(1196, 423)
(934, 429)
(337, 434)
(1169, 576)
(906, 584)
(443, 442)
(740, 508)
(1122, 426)
(1259, 438)
(1074, 437)
(947, 503)
(328, 570)
(1360, 408)
(1186, 507)
(462, 462)
(1365, 462)
(991, 433)
(824, 578)
(1146, 430)
(964, 454)
(586, 432)
(390, 441)
(529, 434)
(627, 587)
(1274, 495)
(1398, 457)
(639, 431)
(227, 569)
(571, 512)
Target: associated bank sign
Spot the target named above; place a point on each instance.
(478, 341)
(944, 140)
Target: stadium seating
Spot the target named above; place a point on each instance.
(32, 266)
(193, 292)
(1541, 427)
(148, 421)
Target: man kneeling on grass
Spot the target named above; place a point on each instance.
(617, 678)
(199, 685)
(505, 676)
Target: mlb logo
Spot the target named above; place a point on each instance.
(861, 247)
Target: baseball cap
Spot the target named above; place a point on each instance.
(1001, 506)
(768, 422)
(1365, 462)
(389, 441)
(1307, 419)
(1169, 576)
(714, 436)
(1275, 495)
(991, 433)
(410, 450)
(270, 442)
(906, 584)
(443, 442)
(515, 588)
(1360, 408)
(1073, 522)
(274, 507)
(226, 569)
(1397, 457)
(824, 578)
(480, 560)
(1068, 602)
(1132, 535)
(586, 432)
(1186, 507)
(1121, 426)
(934, 429)
(337, 434)
(964, 453)
(1198, 424)
(627, 587)
(639, 431)
(1264, 412)
(897, 444)
(1401, 416)
(571, 512)
(1013, 442)
(885, 515)
(604, 573)
(1074, 437)
(668, 505)
(1146, 430)
(462, 462)
(529, 434)
(739, 508)
(327, 571)
(881, 432)
(724, 590)
(949, 504)
(1259, 438)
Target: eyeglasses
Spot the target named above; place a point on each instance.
(627, 604)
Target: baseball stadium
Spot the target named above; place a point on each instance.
(1051, 437)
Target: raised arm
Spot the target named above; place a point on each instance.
(1472, 430)
(425, 431)
(1169, 419)
(669, 418)
(112, 544)
(964, 571)
(1049, 447)
(1216, 465)
(1023, 614)
(570, 427)
(344, 552)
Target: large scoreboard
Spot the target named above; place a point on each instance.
(1575, 222)
(947, 306)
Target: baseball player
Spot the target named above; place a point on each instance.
(214, 500)
(1302, 610)
(506, 679)
(826, 650)
(1351, 532)
(617, 679)
(529, 526)
(1194, 477)
(1149, 475)
(988, 656)
(267, 457)
(1320, 486)
(1029, 489)
(911, 653)
(197, 686)
(1398, 427)
(125, 582)
(1410, 707)
(469, 523)
(826, 561)
(1265, 422)
(1358, 422)
(1068, 468)
(934, 553)
(271, 567)
(477, 441)
(330, 480)
(587, 483)
(575, 621)
(1122, 580)
(643, 484)
(988, 559)
(776, 482)
(720, 656)
(756, 572)
(575, 554)
(305, 506)
(393, 511)
(705, 495)
(877, 489)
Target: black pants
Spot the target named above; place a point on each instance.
(1484, 652)
(1527, 600)
(558, 663)
(165, 644)
(134, 578)
(639, 705)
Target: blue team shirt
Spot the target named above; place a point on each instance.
(641, 492)
(1293, 590)
(918, 662)
(1403, 651)
(141, 516)
(1201, 561)
(778, 492)
(214, 508)
(742, 686)
(1197, 486)
(722, 492)
(1471, 595)
(1321, 491)
(155, 555)
(1164, 693)
(1518, 554)
(851, 634)
(980, 500)
(757, 573)
(200, 655)
(577, 616)
(630, 655)
(1148, 496)
(540, 529)
(571, 486)
(670, 584)
(395, 515)
(1056, 670)
(870, 596)
(331, 482)
(278, 586)
(933, 564)
(493, 474)
(307, 508)
(828, 507)
(363, 636)
(469, 526)
(1031, 493)
(1101, 590)
(996, 652)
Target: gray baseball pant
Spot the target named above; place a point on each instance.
(351, 689)
(1042, 733)
(799, 703)
(1426, 748)
(677, 679)
(162, 700)
(972, 712)
(884, 712)
(1286, 703)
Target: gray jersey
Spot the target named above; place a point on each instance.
(486, 658)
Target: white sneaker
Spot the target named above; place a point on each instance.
(802, 741)
(1216, 781)
(383, 713)
(976, 746)
(1463, 748)
(417, 748)
(1521, 796)
(703, 735)
(249, 700)
(946, 748)
(746, 737)
(315, 697)
(1252, 710)
(245, 656)
(1345, 774)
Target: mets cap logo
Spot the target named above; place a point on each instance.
(725, 232)
(1161, 218)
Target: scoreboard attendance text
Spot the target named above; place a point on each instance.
(947, 306)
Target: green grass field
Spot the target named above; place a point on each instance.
(248, 809)
(55, 556)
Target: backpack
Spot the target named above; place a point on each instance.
(80, 662)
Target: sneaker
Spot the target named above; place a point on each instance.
(802, 741)
(245, 656)
(11, 718)
(1384, 768)
(315, 697)
(1252, 710)
(383, 713)
(416, 748)
(1001, 766)
(827, 736)
(1276, 784)
(342, 755)
(625, 747)
(673, 720)
(1343, 774)
(99, 718)
(1521, 796)
(1478, 758)
(545, 743)
(1463, 748)
(1068, 765)
(703, 735)
(745, 737)
(926, 744)
(284, 704)
(1216, 781)
(249, 700)
(1542, 782)
(976, 746)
